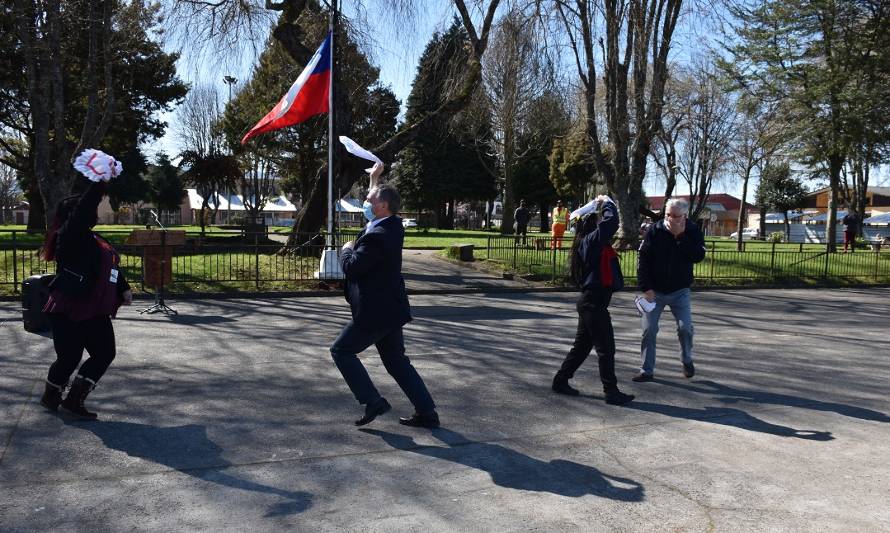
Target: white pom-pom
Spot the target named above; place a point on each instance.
(96, 165)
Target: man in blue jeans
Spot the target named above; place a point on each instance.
(664, 273)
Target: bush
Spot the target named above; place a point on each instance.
(776, 236)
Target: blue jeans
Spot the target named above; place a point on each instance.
(391, 346)
(681, 308)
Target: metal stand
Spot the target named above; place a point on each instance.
(159, 305)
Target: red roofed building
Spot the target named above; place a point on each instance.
(720, 215)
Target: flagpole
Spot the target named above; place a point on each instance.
(332, 24)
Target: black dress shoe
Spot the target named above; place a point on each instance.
(616, 397)
(643, 377)
(561, 386)
(688, 369)
(373, 410)
(428, 420)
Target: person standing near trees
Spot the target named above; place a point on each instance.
(521, 217)
(560, 221)
(851, 229)
(664, 272)
(595, 269)
(86, 292)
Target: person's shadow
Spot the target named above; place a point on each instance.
(730, 395)
(727, 416)
(187, 449)
(511, 469)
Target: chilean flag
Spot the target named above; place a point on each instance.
(307, 97)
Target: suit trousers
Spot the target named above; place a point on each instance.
(391, 346)
(594, 332)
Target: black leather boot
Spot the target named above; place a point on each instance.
(73, 403)
(52, 396)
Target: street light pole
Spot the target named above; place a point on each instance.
(230, 81)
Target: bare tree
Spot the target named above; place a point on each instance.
(637, 32)
(516, 74)
(707, 138)
(208, 165)
(257, 184)
(10, 193)
(758, 137)
(674, 121)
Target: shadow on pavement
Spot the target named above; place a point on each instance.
(514, 470)
(178, 448)
(730, 395)
(726, 416)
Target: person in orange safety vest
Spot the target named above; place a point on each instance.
(559, 221)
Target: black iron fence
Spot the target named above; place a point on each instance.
(217, 261)
(723, 264)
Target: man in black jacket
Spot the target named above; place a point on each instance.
(664, 272)
(851, 229)
(520, 222)
(376, 294)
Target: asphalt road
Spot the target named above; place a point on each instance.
(232, 417)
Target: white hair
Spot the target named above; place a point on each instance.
(679, 203)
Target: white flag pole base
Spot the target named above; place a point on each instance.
(329, 266)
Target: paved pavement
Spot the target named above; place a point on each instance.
(426, 270)
(231, 417)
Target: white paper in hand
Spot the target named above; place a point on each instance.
(96, 165)
(643, 305)
(353, 148)
(589, 207)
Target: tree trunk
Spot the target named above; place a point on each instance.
(36, 211)
(742, 211)
(763, 221)
(834, 175)
(543, 217)
(787, 227)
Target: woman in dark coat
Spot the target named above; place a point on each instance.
(595, 269)
(86, 293)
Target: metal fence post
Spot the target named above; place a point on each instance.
(713, 249)
(15, 265)
(514, 255)
(256, 258)
(772, 261)
(827, 259)
(877, 254)
(553, 265)
(488, 248)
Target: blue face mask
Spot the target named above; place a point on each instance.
(369, 214)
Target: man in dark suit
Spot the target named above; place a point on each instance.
(376, 294)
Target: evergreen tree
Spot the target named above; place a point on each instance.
(450, 161)
(165, 184)
(780, 191)
(827, 62)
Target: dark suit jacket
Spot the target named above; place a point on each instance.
(375, 288)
